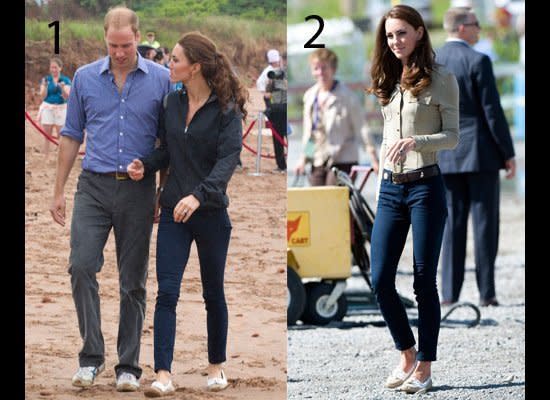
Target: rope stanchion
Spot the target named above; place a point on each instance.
(259, 146)
(41, 131)
(274, 132)
(246, 146)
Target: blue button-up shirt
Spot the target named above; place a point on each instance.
(119, 126)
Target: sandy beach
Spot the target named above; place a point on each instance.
(255, 292)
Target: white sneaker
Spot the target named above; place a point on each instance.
(127, 382)
(159, 389)
(217, 384)
(85, 376)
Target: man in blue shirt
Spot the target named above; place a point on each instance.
(117, 101)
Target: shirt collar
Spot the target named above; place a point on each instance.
(453, 39)
(141, 64)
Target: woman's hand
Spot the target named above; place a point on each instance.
(398, 151)
(185, 208)
(135, 170)
(300, 168)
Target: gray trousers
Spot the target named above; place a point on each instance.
(101, 203)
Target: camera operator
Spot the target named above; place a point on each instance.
(274, 87)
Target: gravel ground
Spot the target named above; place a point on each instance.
(351, 359)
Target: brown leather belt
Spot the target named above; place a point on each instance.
(119, 176)
(412, 176)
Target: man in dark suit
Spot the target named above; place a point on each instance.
(471, 170)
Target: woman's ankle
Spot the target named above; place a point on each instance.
(408, 359)
(163, 376)
(214, 370)
(423, 370)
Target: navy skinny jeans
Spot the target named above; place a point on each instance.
(421, 204)
(211, 230)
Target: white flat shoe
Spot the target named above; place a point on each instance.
(159, 389)
(413, 385)
(398, 376)
(217, 384)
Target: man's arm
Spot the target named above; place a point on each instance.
(494, 114)
(68, 150)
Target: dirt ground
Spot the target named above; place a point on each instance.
(255, 291)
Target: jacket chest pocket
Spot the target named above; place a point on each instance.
(426, 112)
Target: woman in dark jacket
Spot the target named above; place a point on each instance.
(201, 140)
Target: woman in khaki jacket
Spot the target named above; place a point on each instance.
(334, 124)
(420, 107)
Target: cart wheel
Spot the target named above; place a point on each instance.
(296, 296)
(315, 311)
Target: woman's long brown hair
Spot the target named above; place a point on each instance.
(387, 69)
(216, 69)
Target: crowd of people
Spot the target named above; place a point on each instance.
(445, 138)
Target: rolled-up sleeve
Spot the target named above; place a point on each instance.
(75, 121)
(447, 95)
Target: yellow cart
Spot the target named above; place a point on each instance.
(318, 253)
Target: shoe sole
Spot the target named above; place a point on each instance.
(151, 392)
(217, 388)
(126, 388)
(82, 384)
(416, 391)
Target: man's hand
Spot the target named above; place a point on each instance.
(510, 168)
(57, 209)
(135, 170)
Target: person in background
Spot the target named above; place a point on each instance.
(471, 171)
(151, 40)
(275, 97)
(419, 102)
(159, 56)
(274, 61)
(166, 53)
(334, 123)
(115, 101)
(200, 143)
(54, 89)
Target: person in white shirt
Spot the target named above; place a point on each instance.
(274, 60)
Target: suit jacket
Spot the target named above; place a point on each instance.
(485, 140)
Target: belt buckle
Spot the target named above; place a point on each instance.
(120, 177)
(396, 178)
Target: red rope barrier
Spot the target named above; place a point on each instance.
(249, 129)
(275, 133)
(255, 152)
(46, 135)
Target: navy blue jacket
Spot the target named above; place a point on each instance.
(485, 141)
(202, 156)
